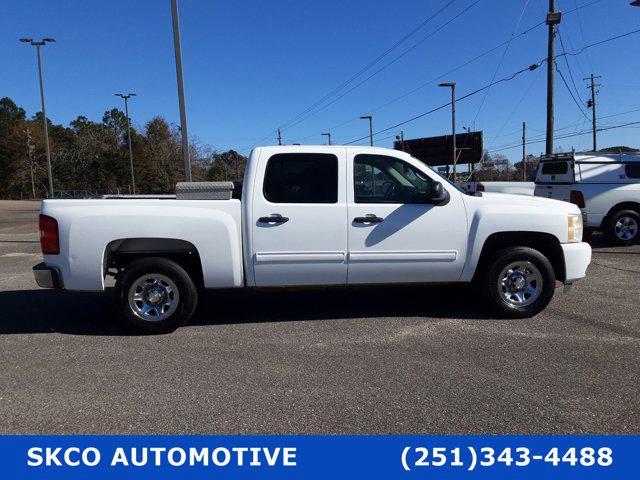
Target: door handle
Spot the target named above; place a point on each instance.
(368, 219)
(273, 219)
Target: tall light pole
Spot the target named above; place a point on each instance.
(454, 150)
(370, 118)
(183, 112)
(126, 112)
(329, 136)
(39, 44)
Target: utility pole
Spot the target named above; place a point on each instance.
(454, 150)
(45, 126)
(553, 18)
(183, 112)
(401, 139)
(524, 151)
(279, 137)
(329, 136)
(126, 112)
(370, 118)
(592, 104)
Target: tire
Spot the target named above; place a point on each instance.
(587, 234)
(159, 303)
(623, 228)
(538, 277)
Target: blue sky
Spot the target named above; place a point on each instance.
(250, 66)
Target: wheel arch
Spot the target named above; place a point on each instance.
(545, 243)
(635, 206)
(119, 253)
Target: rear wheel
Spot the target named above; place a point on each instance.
(155, 295)
(518, 283)
(624, 227)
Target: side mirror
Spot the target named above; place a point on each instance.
(438, 193)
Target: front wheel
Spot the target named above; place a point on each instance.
(155, 295)
(519, 282)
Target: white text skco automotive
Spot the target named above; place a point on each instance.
(314, 216)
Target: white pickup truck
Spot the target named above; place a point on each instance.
(313, 215)
(605, 186)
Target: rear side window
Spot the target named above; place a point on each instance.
(632, 170)
(301, 178)
(555, 168)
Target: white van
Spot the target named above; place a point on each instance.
(606, 187)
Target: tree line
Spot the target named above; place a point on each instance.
(90, 155)
(94, 155)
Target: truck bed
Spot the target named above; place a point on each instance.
(89, 230)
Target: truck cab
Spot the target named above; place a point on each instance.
(340, 216)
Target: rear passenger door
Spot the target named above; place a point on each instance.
(299, 215)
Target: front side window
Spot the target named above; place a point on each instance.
(301, 178)
(382, 179)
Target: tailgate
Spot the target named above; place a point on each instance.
(556, 192)
(555, 178)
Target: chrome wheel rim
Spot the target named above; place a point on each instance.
(626, 228)
(153, 297)
(520, 284)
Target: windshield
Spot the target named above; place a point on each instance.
(454, 185)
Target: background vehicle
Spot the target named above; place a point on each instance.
(326, 215)
(606, 187)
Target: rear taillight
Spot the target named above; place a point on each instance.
(49, 242)
(480, 188)
(577, 198)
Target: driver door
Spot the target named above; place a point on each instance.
(394, 234)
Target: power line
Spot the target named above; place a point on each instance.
(566, 60)
(435, 79)
(481, 55)
(568, 135)
(582, 34)
(370, 64)
(384, 67)
(570, 44)
(362, 70)
(502, 57)
(524, 95)
(606, 40)
(564, 81)
(619, 114)
(474, 59)
(530, 68)
(506, 79)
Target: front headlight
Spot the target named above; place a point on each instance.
(574, 224)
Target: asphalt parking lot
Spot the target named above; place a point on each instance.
(371, 360)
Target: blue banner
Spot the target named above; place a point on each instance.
(315, 456)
